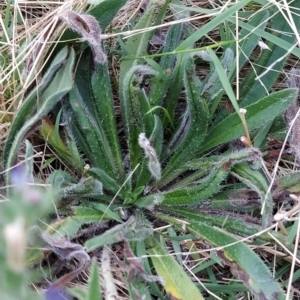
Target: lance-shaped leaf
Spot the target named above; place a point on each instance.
(164, 87)
(104, 112)
(86, 132)
(192, 129)
(86, 123)
(136, 45)
(176, 282)
(65, 186)
(290, 114)
(279, 43)
(243, 262)
(59, 86)
(258, 114)
(135, 229)
(131, 114)
(94, 289)
(205, 187)
(30, 103)
(256, 181)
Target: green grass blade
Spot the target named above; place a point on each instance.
(94, 289)
(141, 252)
(234, 224)
(280, 40)
(162, 85)
(135, 229)
(223, 76)
(221, 17)
(136, 45)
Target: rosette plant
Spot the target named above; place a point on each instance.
(155, 154)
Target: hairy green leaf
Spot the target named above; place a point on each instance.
(244, 263)
(258, 114)
(58, 87)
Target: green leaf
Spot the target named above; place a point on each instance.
(257, 182)
(30, 103)
(232, 223)
(288, 184)
(163, 84)
(71, 158)
(136, 45)
(108, 182)
(205, 187)
(166, 114)
(224, 77)
(258, 114)
(107, 211)
(280, 39)
(135, 229)
(58, 87)
(192, 130)
(244, 263)
(104, 112)
(177, 282)
(133, 121)
(94, 289)
(221, 17)
(79, 293)
(70, 225)
(85, 126)
(105, 11)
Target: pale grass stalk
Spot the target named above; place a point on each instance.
(274, 251)
(289, 18)
(130, 33)
(269, 68)
(110, 289)
(293, 262)
(254, 70)
(283, 246)
(133, 14)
